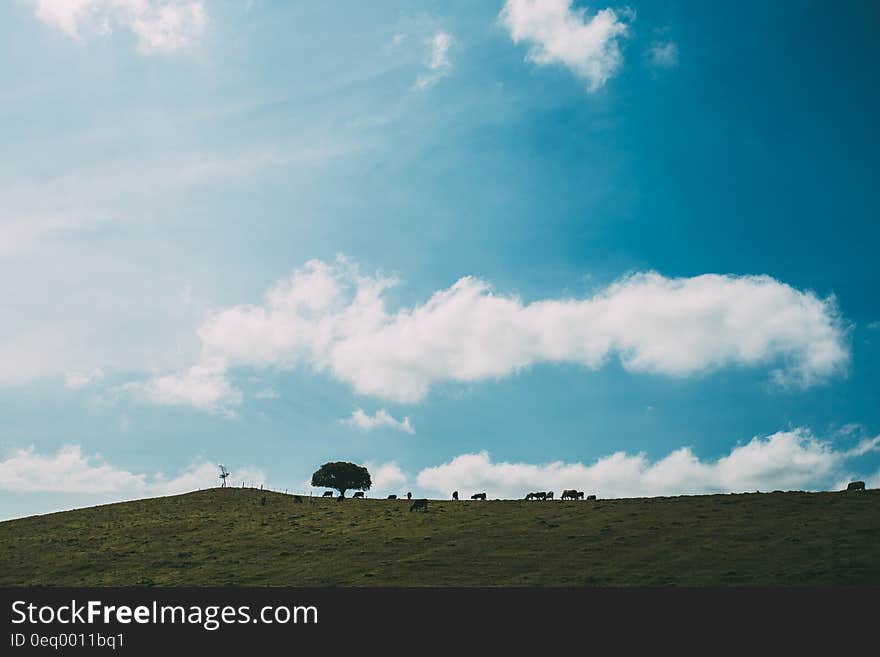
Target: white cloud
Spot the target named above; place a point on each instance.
(71, 471)
(204, 386)
(387, 479)
(77, 380)
(558, 34)
(787, 460)
(67, 471)
(334, 319)
(161, 26)
(437, 60)
(381, 418)
(120, 311)
(663, 54)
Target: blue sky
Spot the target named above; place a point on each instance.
(494, 246)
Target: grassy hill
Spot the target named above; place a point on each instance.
(226, 537)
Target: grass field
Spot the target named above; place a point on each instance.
(226, 537)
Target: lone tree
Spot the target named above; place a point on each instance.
(342, 476)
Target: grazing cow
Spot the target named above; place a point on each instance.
(572, 494)
(478, 496)
(856, 485)
(591, 497)
(409, 496)
(539, 496)
(455, 495)
(392, 497)
(549, 496)
(358, 495)
(297, 499)
(419, 504)
(327, 493)
(530, 496)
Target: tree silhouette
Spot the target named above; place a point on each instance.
(342, 476)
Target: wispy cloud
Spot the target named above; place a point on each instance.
(663, 54)
(21, 233)
(558, 34)
(161, 26)
(84, 198)
(77, 380)
(437, 60)
(267, 393)
(381, 418)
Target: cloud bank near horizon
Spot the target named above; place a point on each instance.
(787, 460)
(335, 320)
(70, 470)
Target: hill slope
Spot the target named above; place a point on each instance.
(226, 537)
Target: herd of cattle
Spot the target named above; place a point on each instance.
(422, 504)
(568, 494)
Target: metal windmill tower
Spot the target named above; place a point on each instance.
(223, 474)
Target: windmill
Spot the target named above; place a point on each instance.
(223, 474)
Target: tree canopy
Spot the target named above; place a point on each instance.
(342, 476)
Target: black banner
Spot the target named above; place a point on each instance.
(245, 620)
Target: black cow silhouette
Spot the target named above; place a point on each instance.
(359, 494)
(392, 497)
(478, 496)
(419, 504)
(327, 493)
(455, 494)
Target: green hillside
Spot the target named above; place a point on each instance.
(226, 537)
